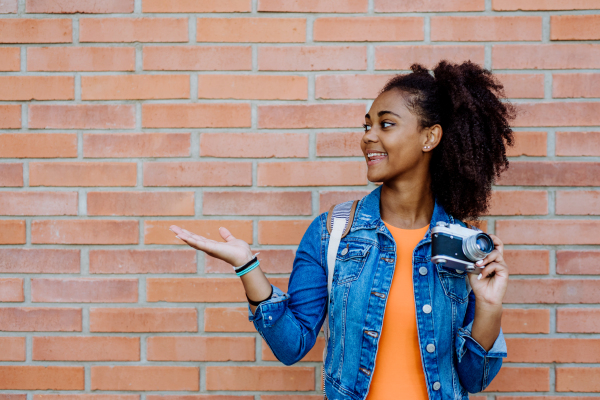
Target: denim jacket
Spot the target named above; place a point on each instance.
(453, 362)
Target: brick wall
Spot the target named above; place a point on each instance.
(121, 117)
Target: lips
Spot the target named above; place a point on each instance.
(375, 157)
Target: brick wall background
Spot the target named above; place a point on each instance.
(120, 117)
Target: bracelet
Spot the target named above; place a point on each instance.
(256, 303)
(248, 269)
(248, 264)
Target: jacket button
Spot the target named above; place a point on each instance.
(423, 271)
(426, 308)
(430, 348)
(436, 386)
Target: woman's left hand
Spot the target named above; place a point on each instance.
(490, 285)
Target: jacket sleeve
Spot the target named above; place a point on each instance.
(290, 322)
(476, 366)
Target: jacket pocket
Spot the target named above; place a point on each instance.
(349, 261)
(454, 284)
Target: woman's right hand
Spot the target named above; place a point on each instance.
(234, 251)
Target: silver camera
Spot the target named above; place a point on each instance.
(454, 246)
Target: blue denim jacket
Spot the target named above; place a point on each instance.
(453, 362)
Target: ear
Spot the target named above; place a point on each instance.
(431, 137)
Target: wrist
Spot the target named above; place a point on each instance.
(482, 306)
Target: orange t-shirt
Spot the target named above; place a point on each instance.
(398, 370)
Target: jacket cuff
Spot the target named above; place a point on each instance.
(269, 311)
(464, 342)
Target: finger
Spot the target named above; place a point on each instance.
(195, 236)
(225, 234)
(492, 269)
(498, 243)
(495, 255)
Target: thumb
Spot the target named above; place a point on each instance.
(225, 234)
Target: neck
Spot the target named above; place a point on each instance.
(407, 204)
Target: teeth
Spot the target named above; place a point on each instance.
(376, 154)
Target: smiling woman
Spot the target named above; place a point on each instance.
(436, 142)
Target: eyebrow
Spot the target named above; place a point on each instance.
(380, 113)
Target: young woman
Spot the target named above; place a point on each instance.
(400, 325)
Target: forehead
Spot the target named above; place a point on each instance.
(392, 100)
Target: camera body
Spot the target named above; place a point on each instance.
(457, 247)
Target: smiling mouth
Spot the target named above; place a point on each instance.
(375, 157)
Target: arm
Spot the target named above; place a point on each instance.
(480, 343)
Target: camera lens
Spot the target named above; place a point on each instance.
(478, 246)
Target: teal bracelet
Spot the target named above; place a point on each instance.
(250, 268)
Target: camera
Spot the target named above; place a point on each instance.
(454, 246)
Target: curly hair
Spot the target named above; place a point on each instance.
(464, 99)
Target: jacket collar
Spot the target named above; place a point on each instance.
(368, 215)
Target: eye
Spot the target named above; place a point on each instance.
(386, 124)
(366, 127)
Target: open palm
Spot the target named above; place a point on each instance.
(234, 251)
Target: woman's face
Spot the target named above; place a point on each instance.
(393, 143)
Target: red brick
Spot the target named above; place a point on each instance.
(9, 7)
(12, 231)
(574, 262)
(329, 198)
(372, 29)
(486, 28)
(548, 231)
(40, 319)
(312, 58)
(80, 59)
(86, 397)
(574, 27)
(310, 116)
(201, 348)
(428, 5)
(349, 86)
(227, 319)
(143, 320)
(11, 174)
(578, 320)
(12, 349)
(157, 231)
(208, 397)
(259, 145)
(38, 377)
(39, 261)
(523, 86)
(145, 378)
(130, 145)
(217, 173)
(37, 88)
(142, 261)
(545, 56)
(271, 262)
(198, 58)
(10, 58)
(553, 291)
(549, 173)
(215, 115)
(282, 232)
(79, 6)
(84, 290)
(533, 320)
(558, 114)
(257, 30)
(195, 6)
(78, 348)
(133, 30)
(339, 144)
(259, 87)
(23, 30)
(312, 173)
(140, 203)
(577, 379)
(518, 379)
(81, 116)
(553, 350)
(542, 5)
(255, 203)
(527, 262)
(125, 87)
(519, 202)
(38, 145)
(11, 290)
(82, 174)
(527, 143)
(577, 202)
(38, 203)
(10, 116)
(314, 6)
(578, 144)
(315, 354)
(195, 290)
(575, 85)
(90, 231)
(401, 57)
(260, 378)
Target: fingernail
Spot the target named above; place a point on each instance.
(178, 237)
(479, 277)
(479, 262)
(482, 267)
